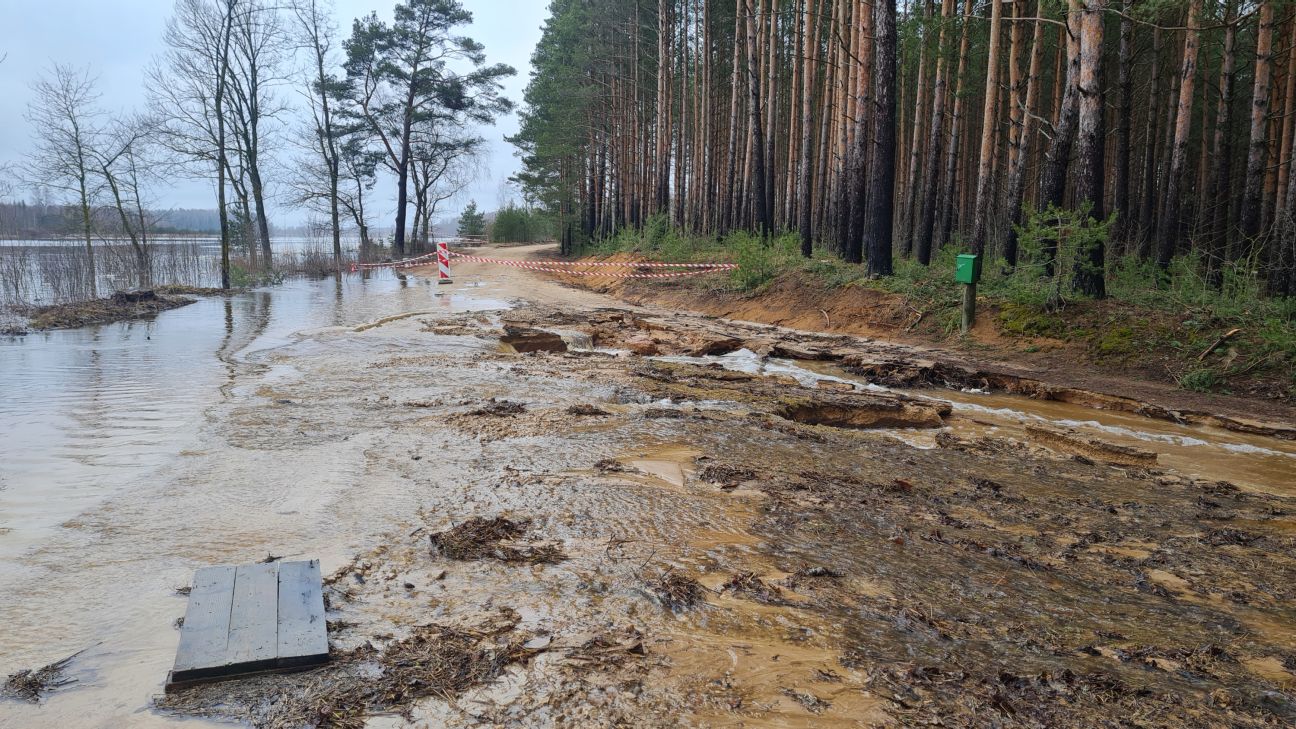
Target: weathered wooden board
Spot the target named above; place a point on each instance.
(251, 619)
(206, 624)
(303, 636)
(254, 617)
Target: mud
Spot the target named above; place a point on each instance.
(121, 306)
(732, 548)
(725, 563)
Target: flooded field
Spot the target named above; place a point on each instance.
(652, 520)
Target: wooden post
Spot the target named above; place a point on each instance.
(969, 307)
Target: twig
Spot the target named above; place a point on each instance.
(917, 321)
(827, 319)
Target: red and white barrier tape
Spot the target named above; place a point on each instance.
(603, 264)
(570, 268)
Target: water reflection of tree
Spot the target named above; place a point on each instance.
(247, 316)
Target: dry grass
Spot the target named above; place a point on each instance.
(480, 538)
(677, 592)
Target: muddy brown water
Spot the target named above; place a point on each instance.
(281, 422)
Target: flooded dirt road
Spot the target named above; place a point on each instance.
(654, 520)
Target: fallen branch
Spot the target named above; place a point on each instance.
(1218, 343)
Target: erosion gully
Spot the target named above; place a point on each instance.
(746, 538)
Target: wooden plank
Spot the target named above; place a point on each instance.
(206, 625)
(253, 630)
(303, 635)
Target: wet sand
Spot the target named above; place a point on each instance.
(962, 574)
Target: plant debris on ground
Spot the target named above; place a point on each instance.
(677, 592)
(120, 306)
(433, 661)
(480, 538)
(749, 585)
(31, 685)
(500, 408)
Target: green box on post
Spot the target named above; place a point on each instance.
(968, 270)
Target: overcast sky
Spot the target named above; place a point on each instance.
(117, 39)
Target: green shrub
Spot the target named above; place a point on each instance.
(1200, 380)
(515, 224)
(760, 260)
(1025, 320)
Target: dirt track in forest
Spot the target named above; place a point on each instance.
(749, 526)
(1140, 370)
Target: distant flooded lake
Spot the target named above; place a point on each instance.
(56, 270)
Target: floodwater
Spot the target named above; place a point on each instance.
(284, 422)
(98, 428)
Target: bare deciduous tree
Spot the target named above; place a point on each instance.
(316, 39)
(66, 121)
(189, 89)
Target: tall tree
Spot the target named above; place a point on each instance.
(1259, 146)
(66, 119)
(189, 91)
(984, 183)
(408, 73)
(882, 178)
(927, 214)
(316, 37)
(1017, 168)
(1168, 229)
(1090, 144)
(760, 194)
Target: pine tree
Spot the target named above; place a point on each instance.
(472, 222)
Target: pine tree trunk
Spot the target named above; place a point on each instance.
(1124, 128)
(1090, 145)
(1222, 151)
(1168, 232)
(1147, 197)
(804, 193)
(760, 184)
(1017, 170)
(947, 202)
(981, 209)
(882, 182)
(915, 148)
(1259, 147)
(927, 215)
(1053, 177)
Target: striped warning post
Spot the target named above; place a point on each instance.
(443, 262)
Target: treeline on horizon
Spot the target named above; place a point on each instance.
(23, 220)
(1148, 129)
